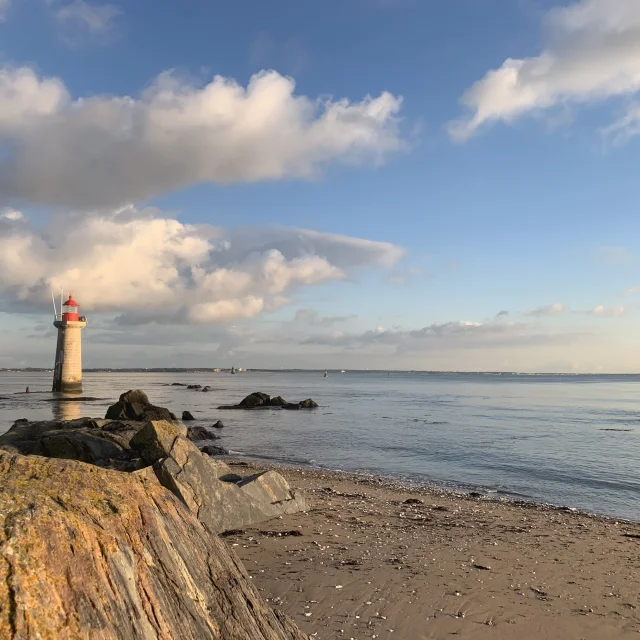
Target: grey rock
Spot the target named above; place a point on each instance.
(255, 400)
(186, 415)
(259, 400)
(90, 440)
(196, 479)
(201, 433)
(155, 440)
(135, 405)
(214, 450)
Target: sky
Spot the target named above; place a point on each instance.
(384, 184)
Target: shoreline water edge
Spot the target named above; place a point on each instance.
(395, 483)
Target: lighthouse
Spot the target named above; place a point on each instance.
(67, 372)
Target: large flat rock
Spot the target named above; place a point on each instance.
(87, 552)
(97, 441)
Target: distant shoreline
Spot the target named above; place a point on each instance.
(332, 371)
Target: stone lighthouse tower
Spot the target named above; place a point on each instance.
(67, 373)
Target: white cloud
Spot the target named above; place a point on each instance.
(11, 215)
(608, 312)
(151, 268)
(83, 23)
(555, 309)
(593, 54)
(626, 127)
(101, 152)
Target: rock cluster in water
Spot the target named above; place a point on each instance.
(135, 405)
(126, 546)
(259, 400)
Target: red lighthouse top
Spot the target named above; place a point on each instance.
(70, 309)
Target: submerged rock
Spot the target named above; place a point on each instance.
(89, 552)
(214, 450)
(259, 400)
(217, 425)
(135, 405)
(201, 433)
(186, 415)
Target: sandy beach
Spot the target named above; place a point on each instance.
(376, 559)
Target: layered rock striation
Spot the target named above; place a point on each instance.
(87, 552)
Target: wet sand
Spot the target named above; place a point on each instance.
(375, 559)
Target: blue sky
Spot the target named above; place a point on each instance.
(492, 169)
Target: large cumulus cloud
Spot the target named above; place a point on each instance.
(154, 268)
(105, 151)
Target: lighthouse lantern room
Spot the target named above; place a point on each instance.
(70, 309)
(67, 373)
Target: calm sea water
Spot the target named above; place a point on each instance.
(567, 440)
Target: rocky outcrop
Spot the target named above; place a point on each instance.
(187, 415)
(135, 405)
(199, 482)
(94, 553)
(164, 445)
(96, 441)
(259, 400)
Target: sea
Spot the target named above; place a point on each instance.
(567, 440)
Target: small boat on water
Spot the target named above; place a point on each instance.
(326, 373)
(233, 370)
(343, 371)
